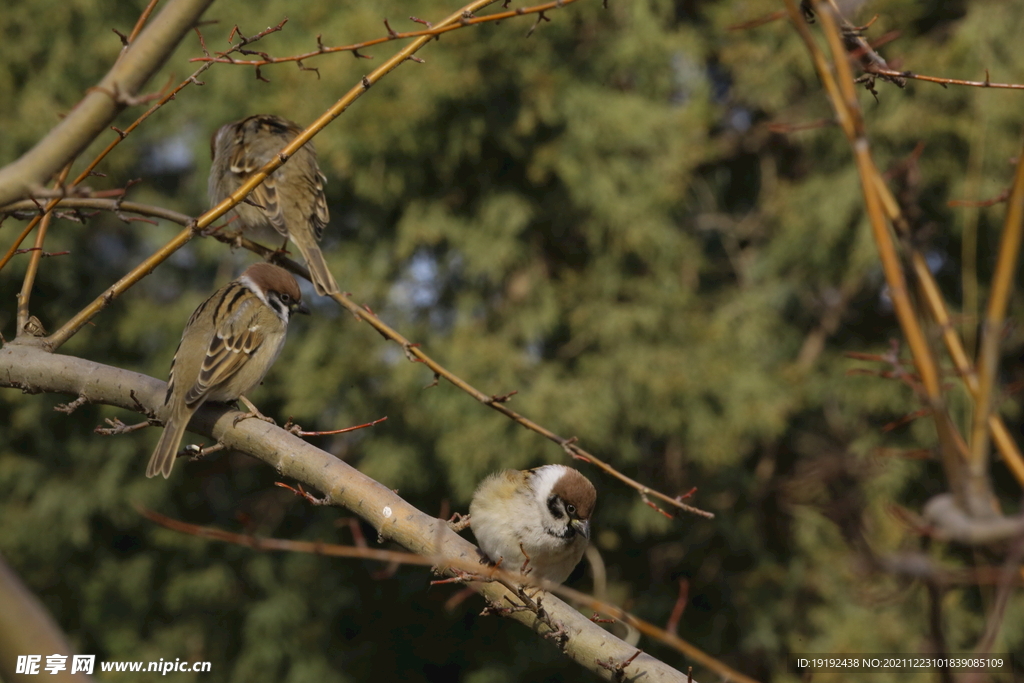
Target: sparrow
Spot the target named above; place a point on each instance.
(228, 345)
(534, 522)
(290, 203)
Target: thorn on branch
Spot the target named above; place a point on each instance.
(260, 77)
(414, 58)
(68, 408)
(540, 17)
(437, 378)
(421, 21)
(120, 133)
(597, 619)
(123, 37)
(391, 32)
(359, 55)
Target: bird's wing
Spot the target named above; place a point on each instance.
(236, 339)
(243, 164)
(320, 215)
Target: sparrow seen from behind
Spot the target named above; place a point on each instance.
(289, 203)
(228, 345)
(535, 522)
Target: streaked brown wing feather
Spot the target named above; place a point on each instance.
(237, 339)
(266, 196)
(321, 215)
(242, 163)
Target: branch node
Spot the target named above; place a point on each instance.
(302, 493)
(68, 408)
(503, 398)
(618, 669)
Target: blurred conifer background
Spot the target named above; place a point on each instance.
(597, 216)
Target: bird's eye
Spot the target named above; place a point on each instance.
(286, 297)
(571, 509)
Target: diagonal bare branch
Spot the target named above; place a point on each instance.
(98, 108)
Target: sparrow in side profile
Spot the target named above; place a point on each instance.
(536, 522)
(290, 203)
(228, 345)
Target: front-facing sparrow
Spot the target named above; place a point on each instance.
(290, 203)
(228, 345)
(536, 522)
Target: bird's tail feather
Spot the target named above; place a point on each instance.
(166, 451)
(323, 281)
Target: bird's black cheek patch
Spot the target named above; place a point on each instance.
(554, 507)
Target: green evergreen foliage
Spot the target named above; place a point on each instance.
(596, 216)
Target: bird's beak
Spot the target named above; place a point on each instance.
(582, 526)
(300, 307)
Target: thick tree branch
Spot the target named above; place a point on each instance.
(101, 104)
(25, 365)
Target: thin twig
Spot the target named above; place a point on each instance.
(297, 430)
(995, 317)
(33, 264)
(892, 73)
(431, 32)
